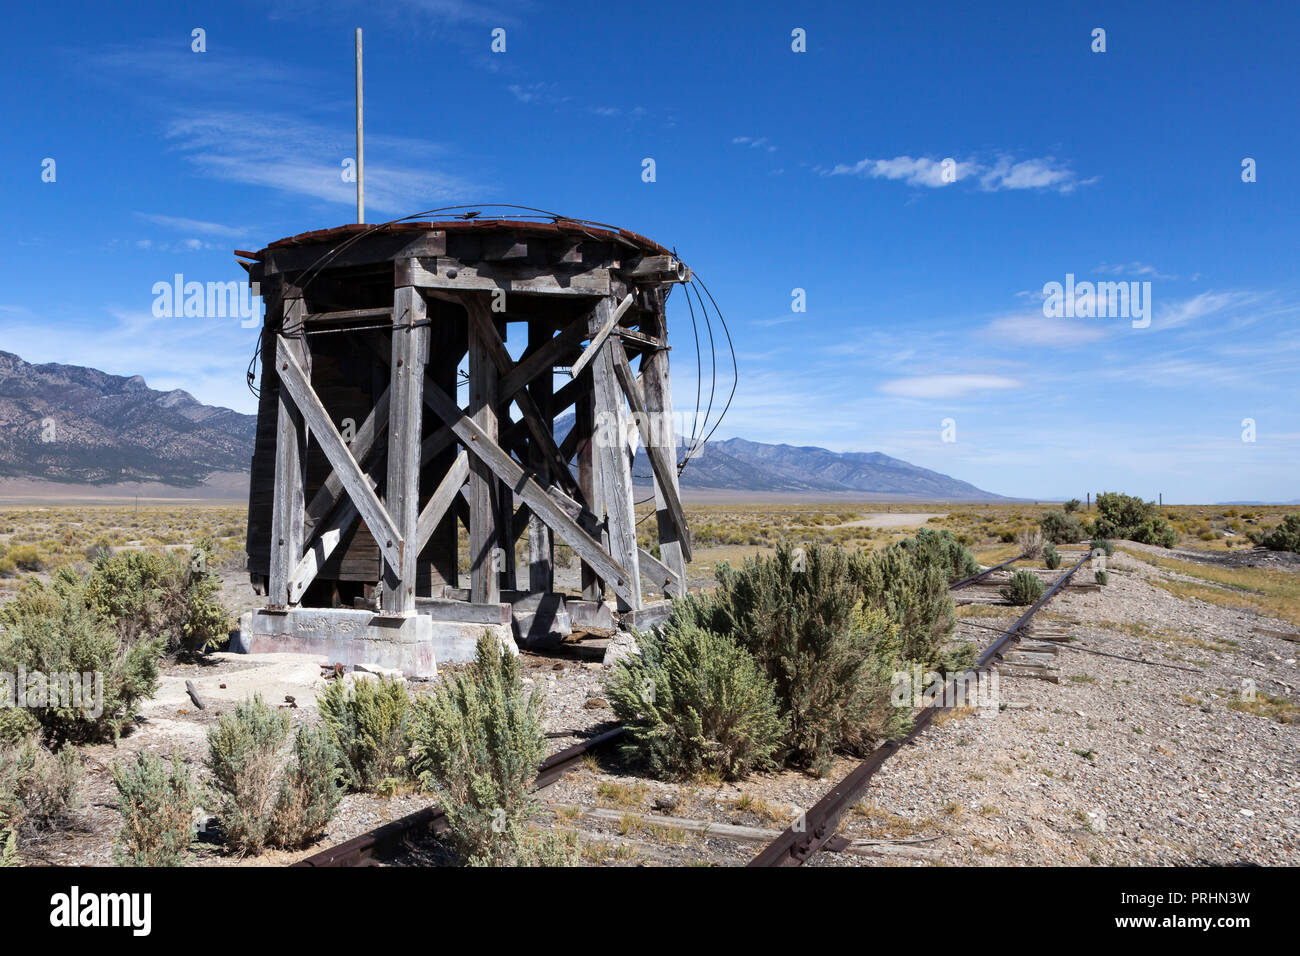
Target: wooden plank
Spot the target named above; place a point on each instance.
(662, 576)
(288, 503)
(444, 609)
(406, 425)
(598, 339)
(455, 275)
(588, 475)
(541, 547)
(544, 359)
(441, 500)
(486, 451)
(665, 471)
(484, 501)
(322, 546)
(296, 384)
(480, 318)
(659, 401)
(363, 442)
(349, 315)
(615, 464)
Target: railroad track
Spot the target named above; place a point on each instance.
(375, 845)
(980, 576)
(815, 830)
(371, 847)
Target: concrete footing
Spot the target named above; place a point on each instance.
(414, 644)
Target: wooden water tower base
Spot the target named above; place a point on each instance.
(394, 427)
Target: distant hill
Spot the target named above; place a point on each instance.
(81, 426)
(737, 464)
(68, 424)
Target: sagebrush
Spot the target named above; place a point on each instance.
(1024, 588)
(695, 702)
(261, 801)
(157, 800)
(370, 726)
(477, 740)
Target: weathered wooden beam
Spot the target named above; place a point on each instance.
(489, 453)
(659, 402)
(331, 490)
(322, 546)
(453, 275)
(598, 338)
(406, 424)
(588, 473)
(662, 576)
(297, 386)
(287, 507)
(615, 464)
(541, 547)
(480, 317)
(441, 500)
(545, 358)
(665, 470)
(484, 501)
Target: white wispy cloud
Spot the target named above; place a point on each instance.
(300, 157)
(753, 142)
(1206, 304)
(196, 226)
(1138, 269)
(1003, 174)
(947, 386)
(1038, 330)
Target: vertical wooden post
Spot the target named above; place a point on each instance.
(615, 465)
(289, 505)
(484, 499)
(405, 425)
(593, 589)
(541, 548)
(659, 403)
(437, 566)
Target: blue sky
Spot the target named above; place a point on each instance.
(775, 170)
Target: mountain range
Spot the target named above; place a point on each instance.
(75, 425)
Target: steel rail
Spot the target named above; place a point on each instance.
(383, 841)
(981, 575)
(816, 828)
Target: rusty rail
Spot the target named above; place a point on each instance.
(981, 575)
(376, 844)
(816, 828)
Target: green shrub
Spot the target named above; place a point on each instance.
(51, 629)
(243, 758)
(1051, 557)
(1025, 588)
(940, 548)
(1285, 537)
(26, 557)
(8, 846)
(370, 727)
(310, 790)
(260, 802)
(914, 595)
(1071, 506)
(157, 801)
(1061, 528)
(1132, 519)
(479, 740)
(795, 613)
(1102, 544)
(7, 566)
(38, 790)
(694, 702)
(1101, 577)
(166, 595)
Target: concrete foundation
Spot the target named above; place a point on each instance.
(413, 644)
